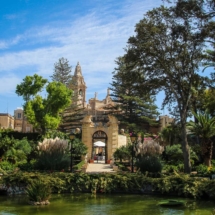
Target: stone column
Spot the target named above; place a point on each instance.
(87, 126)
(112, 136)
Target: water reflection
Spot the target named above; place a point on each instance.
(85, 204)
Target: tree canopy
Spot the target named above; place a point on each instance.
(135, 107)
(44, 113)
(168, 50)
(62, 72)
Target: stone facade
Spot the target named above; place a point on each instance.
(79, 87)
(20, 122)
(16, 122)
(110, 129)
(6, 121)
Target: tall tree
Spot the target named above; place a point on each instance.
(202, 14)
(62, 72)
(168, 51)
(71, 117)
(135, 107)
(44, 113)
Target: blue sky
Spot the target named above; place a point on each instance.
(36, 33)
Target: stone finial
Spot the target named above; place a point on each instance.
(78, 71)
(96, 94)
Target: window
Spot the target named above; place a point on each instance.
(19, 115)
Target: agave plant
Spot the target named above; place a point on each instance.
(38, 191)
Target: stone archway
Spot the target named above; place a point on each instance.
(100, 136)
(110, 129)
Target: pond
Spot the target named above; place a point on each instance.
(87, 204)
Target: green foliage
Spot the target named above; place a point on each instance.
(167, 50)
(174, 155)
(149, 164)
(208, 102)
(52, 134)
(43, 113)
(182, 185)
(202, 169)
(30, 86)
(79, 165)
(122, 153)
(205, 129)
(79, 148)
(38, 190)
(28, 166)
(170, 135)
(55, 160)
(177, 184)
(136, 105)
(170, 168)
(19, 136)
(5, 144)
(19, 151)
(7, 166)
(62, 72)
(14, 150)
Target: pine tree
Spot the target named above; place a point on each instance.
(135, 107)
(62, 72)
(71, 117)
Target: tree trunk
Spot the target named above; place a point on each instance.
(185, 146)
(207, 150)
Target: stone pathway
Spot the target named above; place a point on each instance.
(99, 167)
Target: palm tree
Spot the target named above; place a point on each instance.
(205, 129)
(170, 135)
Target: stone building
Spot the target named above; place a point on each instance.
(18, 122)
(95, 122)
(6, 121)
(98, 109)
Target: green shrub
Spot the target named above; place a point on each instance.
(7, 166)
(27, 166)
(38, 191)
(176, 184)
(174, 155)
(202, 169)
(122, 153)
(149, 164)
(170, 168)
(18, 151)
(173, 168)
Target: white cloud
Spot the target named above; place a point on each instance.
(95, 40)
(10, 16)
(8, 84)
(3, 45)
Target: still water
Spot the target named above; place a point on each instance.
(86, 204)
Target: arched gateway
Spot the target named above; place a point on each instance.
(105, 132)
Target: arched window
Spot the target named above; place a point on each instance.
(80, 92)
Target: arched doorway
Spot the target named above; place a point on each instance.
(99, 145)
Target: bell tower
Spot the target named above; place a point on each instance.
(79, 87)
